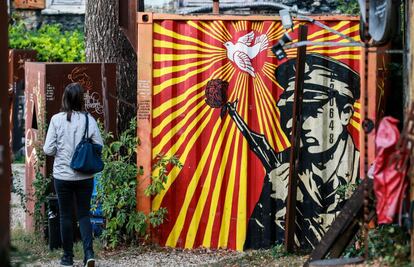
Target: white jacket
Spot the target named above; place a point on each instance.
(63, 137)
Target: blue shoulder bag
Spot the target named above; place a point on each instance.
(88, 156)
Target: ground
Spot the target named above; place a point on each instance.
(31, 250)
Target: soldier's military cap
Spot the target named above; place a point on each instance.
(324, 77)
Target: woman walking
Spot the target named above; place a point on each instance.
(65, 132)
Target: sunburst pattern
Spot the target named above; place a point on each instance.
(210, 200)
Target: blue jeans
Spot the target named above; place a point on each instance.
(65, 191)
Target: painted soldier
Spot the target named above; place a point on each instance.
(328, 156)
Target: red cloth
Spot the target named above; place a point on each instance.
(389, 184)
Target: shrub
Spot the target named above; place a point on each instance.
(117, 189)
(50, 41)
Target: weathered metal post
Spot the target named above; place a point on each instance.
(4, 142)
(410, 57)
(295, 142)
(216, 6)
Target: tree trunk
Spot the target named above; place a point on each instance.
(105, 42)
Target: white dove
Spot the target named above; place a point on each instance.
(241, 53)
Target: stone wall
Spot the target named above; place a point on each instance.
(34, 19)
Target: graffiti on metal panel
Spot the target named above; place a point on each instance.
(79, 75)
(223, 104)
(92, 103)
(37, 105)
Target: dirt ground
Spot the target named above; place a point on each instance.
(178, 257)
(30, 251)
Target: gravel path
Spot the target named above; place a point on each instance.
(158, 257)
(149, 255)
(17, 215)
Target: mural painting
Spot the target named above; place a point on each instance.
(223, 104)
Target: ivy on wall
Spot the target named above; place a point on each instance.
(50, 41)
(350, 7)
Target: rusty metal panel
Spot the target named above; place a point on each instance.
(29, 4)
(45, 84)
(127, 20)
(17, 58)
(5, 167)
(379, 91)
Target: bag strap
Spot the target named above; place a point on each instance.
(86, 133)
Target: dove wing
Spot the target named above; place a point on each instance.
(242, 61)
(247, 39)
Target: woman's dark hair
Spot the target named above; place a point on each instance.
(72, 99)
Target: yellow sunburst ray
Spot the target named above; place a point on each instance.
(235, 25)
(217, 188)
(158, 148)
(257, 26)
(186, 66)
(228, 202)
(227, 76)
(275, 33)
(212, 31)
(195, 221)
(269, 122)
(176, 80)
(163, 31)
(172, 175)
(269, 71)
(272, 27)
(324, 31)
(355, 124)
(167, 121)
(223, 28)
(257, 106)
(333, 37)
(242, 200)
(177, 57)
(273, 108)
(282, 133)
(219, 31)
(200, 28)
(177, 127)
(330, 50)
(340, 57)
(171, 103)
(183, 157)
(184, 47)
(179, 223)
(244, 25)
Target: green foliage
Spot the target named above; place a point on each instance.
(117, 189)
(160, 167)
(279, 251)
(50, 41)
(345, 191)
(389, 244)
(17, 189)
(41, 184)
(350, 7)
